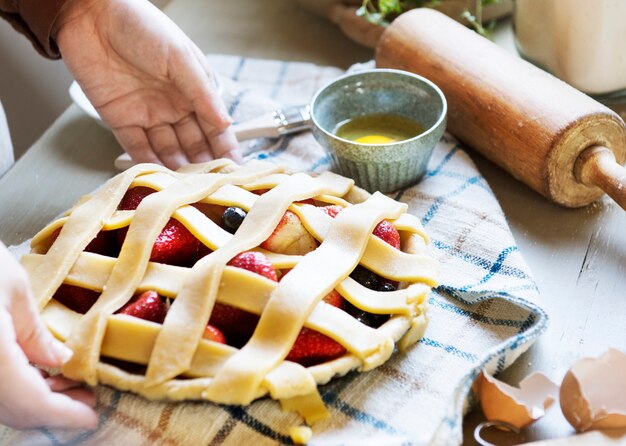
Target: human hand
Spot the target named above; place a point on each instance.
(28, 397)
(148, 81)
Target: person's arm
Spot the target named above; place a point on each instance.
(28, 397)
(34, 18)
(149, 82)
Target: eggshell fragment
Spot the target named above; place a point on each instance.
(593, 392)
(518, 407)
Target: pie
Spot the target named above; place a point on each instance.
(228, 283)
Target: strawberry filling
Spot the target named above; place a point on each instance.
(104, 243)
(147, 305)
(383, 230)
(290, 237)
(76, 298)
(176, 245)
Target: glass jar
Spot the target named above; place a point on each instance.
(582, 42)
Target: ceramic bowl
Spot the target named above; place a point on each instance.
(385, 167)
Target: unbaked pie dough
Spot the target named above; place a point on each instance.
(180, 364)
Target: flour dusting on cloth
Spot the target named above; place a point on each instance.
(485, 313)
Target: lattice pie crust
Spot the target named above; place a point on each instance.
(180, 363)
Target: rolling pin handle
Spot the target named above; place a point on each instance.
(597, 166)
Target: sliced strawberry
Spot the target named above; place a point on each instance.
(147, 305)
(76, 298)
(387, 233)
(384, 230)
(312, 347)
(203, 251)
(334, 298)
(331, 210)
(237, 325)
(214, 334)
(290, 237)
(104, 243)
(133, 197)
(175, 245)
(257, 262)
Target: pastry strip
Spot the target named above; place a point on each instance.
(133, 339)
(296, 295)
(379, 256)
(79, 229)
(150, 217)
(186, 319)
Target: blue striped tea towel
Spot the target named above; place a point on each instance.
(484, 314)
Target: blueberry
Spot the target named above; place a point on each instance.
(386, 286)
(232, 218)
(369, 319)
(365, 277)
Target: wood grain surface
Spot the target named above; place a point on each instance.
(578, 257)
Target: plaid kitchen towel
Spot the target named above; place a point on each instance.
(484, 314)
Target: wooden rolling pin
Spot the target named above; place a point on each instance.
(557, 140)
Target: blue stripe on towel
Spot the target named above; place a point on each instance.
(282, 72)
(320, 162)
(50, 436)
(446, 159)
(479, 261)
(460, 177)
(241, 414)
(332, 399)
(282, 145)
(475, 316)
(238, 69)
(236, 101)
(501, 364)
(495, 267)
(449, 348)
(471, 297)
(430, 214)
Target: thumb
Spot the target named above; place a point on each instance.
(38, 344)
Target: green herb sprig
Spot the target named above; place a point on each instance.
(381, 12)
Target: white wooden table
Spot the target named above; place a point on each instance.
(578, 257)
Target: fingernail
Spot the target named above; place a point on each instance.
(62, 353)
(227, 119)
(202, 157)
(236, 156)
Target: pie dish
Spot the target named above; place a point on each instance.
(332, 278)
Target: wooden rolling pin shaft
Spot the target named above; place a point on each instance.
(544, 132)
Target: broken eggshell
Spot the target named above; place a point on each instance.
(593, 392)
(517, 407)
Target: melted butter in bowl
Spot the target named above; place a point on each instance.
(379, 126)
(378, 129)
